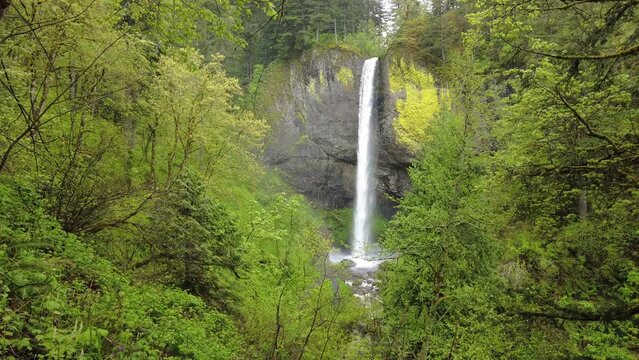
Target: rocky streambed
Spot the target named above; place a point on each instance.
(360, 275)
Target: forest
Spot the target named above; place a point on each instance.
(139, 218)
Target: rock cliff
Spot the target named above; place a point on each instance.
(313, 106)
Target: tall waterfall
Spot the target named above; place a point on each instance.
(366, 184)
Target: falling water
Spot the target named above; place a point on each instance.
(365, 196)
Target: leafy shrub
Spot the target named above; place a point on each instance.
(59, 300)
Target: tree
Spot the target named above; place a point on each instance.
(61, 91)
(549, 188)
(446, 250)
(190, 238)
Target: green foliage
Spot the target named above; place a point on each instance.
(365, 44)
(339, 223)
(312, 22)
(192, 239)
(149, 228)
(59, 300)
(446, 254)
(257, 74)
(292, 304)
(427, 38)
(571, 182)
(419, 106)
(298, 26)
(194, 122)
(137, 221)
(175, 23)
(519, 237)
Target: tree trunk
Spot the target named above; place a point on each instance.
(583, 203)
(4, 5)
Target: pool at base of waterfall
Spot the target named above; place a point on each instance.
(359, 264)
(361, 271)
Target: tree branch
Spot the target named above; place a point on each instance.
(633, 50)
(605, 315)
(579, 118)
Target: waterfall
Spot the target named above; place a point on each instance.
(366, 184)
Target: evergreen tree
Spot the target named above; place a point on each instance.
(191, 238)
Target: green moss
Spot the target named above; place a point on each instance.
(312, 87)
(345, 76)
(421, 104)
(300, 116)
(271, 89)
(304, 139)
(322, 80)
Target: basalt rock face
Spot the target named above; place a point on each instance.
(394, 159)
(313, 106)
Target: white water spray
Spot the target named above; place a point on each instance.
(366, 184)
